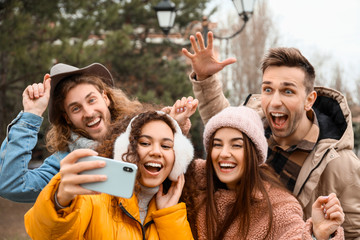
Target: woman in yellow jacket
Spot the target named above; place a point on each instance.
(153, 141)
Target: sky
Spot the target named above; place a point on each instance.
(330, 28)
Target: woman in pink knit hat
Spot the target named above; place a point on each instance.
(235, 195)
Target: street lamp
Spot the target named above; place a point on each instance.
(166, 12)
(245, 9)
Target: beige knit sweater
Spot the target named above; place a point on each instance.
(288, 221)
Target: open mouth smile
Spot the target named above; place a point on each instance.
(94, 122)
(227, 166)
(153, 167)
(278, 119)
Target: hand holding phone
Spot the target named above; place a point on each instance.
(120, 177)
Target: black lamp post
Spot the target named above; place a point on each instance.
(166, 12)
(245, 9)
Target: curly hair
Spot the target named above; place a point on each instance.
(58, 137)
(106, 148)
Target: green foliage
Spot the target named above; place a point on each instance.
(35, 34)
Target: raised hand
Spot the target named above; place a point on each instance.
(183, 109)
(69, 186)
(36, 96)
(203, 60)
(327, 216)
(171, 198)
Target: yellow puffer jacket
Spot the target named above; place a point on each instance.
(89, 217)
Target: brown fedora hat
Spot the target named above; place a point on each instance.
(60, 71)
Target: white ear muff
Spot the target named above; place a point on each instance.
(184, 152)
(122, 143)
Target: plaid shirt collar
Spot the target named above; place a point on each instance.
(287, 161)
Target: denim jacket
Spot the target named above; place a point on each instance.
(17, 182)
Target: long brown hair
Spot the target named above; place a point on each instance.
(252, 181)
(58, 137)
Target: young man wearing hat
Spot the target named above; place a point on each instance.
(309, 130)
(82, 104)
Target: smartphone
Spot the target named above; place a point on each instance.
(120, 177)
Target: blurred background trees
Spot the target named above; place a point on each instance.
(125, 37)
(244, 76)
(260, 34)
(36, 34)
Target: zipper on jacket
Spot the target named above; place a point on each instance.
(247, 99)
(143, 227)
(327, 151)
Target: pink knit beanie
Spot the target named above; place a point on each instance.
(245, 120)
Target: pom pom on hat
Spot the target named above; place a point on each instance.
(245, 120)
(183, 149)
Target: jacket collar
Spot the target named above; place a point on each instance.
(132, 207)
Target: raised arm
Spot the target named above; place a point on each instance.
(207, 88)
(36, 97)
(17, 182)
(203, 60)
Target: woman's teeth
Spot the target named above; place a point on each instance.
(151, 166)
(227, 165)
